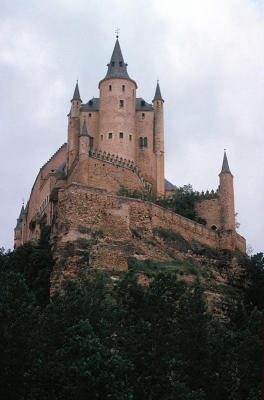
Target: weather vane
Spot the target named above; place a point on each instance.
(117, 32)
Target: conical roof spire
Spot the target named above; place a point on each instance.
(20, 218)
(158, 93)
(225, 166)
(84, 129)
(117, 68)
(76, 94)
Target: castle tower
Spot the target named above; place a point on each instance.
(83, 155)
(74, 127)
(159, 139)
(226, 197)
(18, 228)
(117, 109)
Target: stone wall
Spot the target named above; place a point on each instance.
(106, 224)
(39, 198)
(108, 172)
(210, 210)
(96, 209)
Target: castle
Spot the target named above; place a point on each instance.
(114, 141)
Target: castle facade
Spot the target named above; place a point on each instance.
(115, 141)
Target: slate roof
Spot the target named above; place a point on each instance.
(117, 68)
(225, 166)
(142, 105)
(84, 131)
(92, 105)
(158, 93)
(60, 169)
(169, 185)
(20, 218)
(76, 94)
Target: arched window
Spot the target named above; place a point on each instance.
(145, 142)
(141, 142)
(214, 228)
(91, 142)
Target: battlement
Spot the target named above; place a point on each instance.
(120, 162)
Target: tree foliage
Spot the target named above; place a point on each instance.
(105, 340)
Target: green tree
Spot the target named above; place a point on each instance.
(18, 316)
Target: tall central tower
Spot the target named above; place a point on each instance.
(117, 109)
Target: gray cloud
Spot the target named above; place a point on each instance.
(208, 56)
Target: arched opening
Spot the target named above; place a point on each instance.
(214, 228)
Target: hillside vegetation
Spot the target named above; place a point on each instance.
(119, 339)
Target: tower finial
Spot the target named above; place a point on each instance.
(225, 166)
(158, 93)
(117, 32)
(76, 94)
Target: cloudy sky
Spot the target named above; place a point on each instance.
(207, 54)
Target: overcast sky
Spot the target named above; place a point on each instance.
(207, 54)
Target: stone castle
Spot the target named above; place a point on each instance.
(115, 141)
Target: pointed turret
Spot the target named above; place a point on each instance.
(226, 196)
(76, 94)
(117, 68)
(19, 228)
(158, 93)
(74, 127)
(159, 139)
(84, 131)
(225, 166)
(117, 109)
(84, 147)
(20, 218)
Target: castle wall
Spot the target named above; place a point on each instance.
(114, 118)
(211, 211)
(145, 157)
(84, 212)
(105, 175)
(39, 197)
(92, 122)
(116, 216)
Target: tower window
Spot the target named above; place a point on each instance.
(123, 88)
(121, 135)
(141, 142)
(121, 103)
(145, 142)
(102, 137)
(90, 115)
(113, 63)
(130, 138)
(143, 115)
(121, 63)
(110, 135)
(91, 142)
(110, 88)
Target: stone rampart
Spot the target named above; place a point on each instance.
(80, 204)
